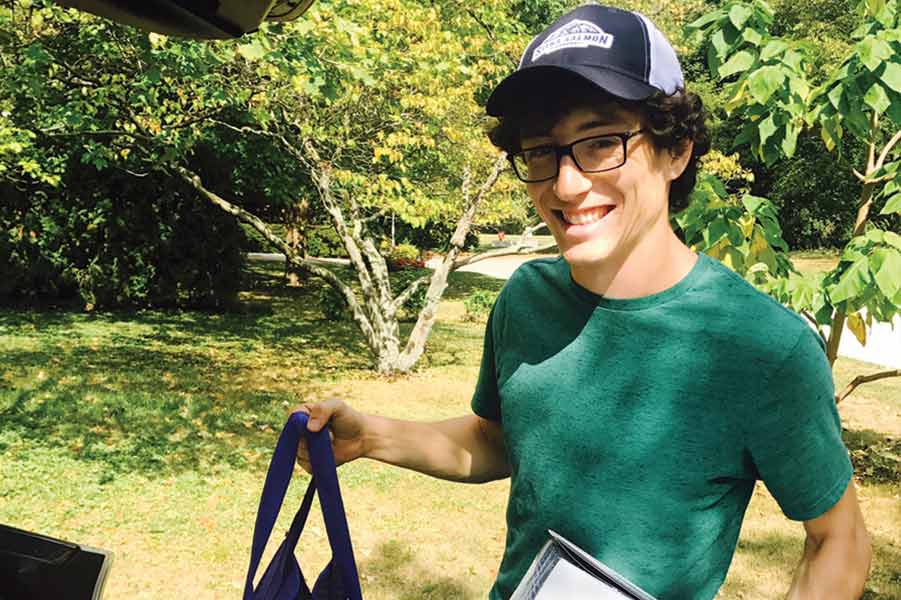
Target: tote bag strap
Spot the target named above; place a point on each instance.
(325, 480)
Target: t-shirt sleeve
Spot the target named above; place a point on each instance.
(794, 436)
(486, 400)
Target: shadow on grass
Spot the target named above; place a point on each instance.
(393, 570)
(161, 391)
(876, 457)
(462, 284)
(781, 552)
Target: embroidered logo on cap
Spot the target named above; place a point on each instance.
(575, 34)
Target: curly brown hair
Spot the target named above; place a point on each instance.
(671, 121)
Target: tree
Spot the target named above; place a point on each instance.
(365, 109)
(771, 88)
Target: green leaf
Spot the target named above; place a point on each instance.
(706, 19)
(719, 42)
(888, 278)
(713, 60)
(752, 203)
(875, 235)
(877, 99)
(763, 82)
(852, 282)
(892, 205)
(772, 49)
(893, 239)
(716, 231)
(738, 62)
(873, 52)
(835, 96)
(892, 76)
(790, 141)
(766, 130)
(739, 15)
(252, 51)
(752, 37)
(874, 7)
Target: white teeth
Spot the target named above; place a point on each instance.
(586, 217)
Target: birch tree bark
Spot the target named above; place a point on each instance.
(375, 308)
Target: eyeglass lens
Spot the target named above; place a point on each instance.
(594, 154)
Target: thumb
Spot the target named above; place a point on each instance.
(320, 414)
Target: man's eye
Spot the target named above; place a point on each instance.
(538, 153)
(603, 143)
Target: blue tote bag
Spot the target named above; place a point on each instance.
(283, 579)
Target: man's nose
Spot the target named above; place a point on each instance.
(571, 181)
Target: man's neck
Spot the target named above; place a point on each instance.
(658, 263)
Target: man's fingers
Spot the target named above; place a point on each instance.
(321, 413)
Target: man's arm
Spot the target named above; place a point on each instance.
(837, 554)
(467, 449)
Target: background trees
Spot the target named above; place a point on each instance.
(360, 127)
(777, 90)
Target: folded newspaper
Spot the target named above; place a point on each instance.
(563, 570)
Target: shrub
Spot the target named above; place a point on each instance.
(400, 280)
(106, 240)
(332, 303)
(478, 304)
(405, 251)
(323, 241)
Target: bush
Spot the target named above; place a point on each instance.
(815, 195)
(405, 251)
(332, 303)
(433, 236)
(478, 304)
(323, 241)
(400, 280)
(105, 240)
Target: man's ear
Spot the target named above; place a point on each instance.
(679, 158)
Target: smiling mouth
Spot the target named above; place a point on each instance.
(583, 217)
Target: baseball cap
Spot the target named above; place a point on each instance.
(620, 51)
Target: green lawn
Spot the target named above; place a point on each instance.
(148, 433)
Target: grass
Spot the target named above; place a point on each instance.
(148, 433)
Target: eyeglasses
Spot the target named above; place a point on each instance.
(593, 154)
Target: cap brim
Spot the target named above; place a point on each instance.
(516, 89)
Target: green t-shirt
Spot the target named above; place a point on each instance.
(636, 428)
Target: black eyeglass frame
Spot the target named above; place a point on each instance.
(567, 150)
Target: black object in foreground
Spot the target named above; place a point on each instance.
(194, 18)
(563, 570)
(36, 567)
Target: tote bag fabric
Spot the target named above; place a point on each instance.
(283, 578)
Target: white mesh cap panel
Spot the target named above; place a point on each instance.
(666, 74)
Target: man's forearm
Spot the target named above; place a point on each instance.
(456, 449)
(835, 568)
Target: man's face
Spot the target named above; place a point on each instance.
(596, 216)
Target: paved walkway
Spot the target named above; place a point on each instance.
(883, 344)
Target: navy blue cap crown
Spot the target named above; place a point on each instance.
(620, 51)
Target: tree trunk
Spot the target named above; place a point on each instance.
(838, 320)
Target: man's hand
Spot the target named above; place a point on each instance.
(837, 554)
(346, 428)
(468, 449)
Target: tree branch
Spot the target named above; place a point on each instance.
(862, 379)
(490, 33)
(871, 151)
(816, 325)
(291, 255)
(101, 133)
(888, 148)
(866, 180)
(458, 240)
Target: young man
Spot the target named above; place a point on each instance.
(633, 390)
